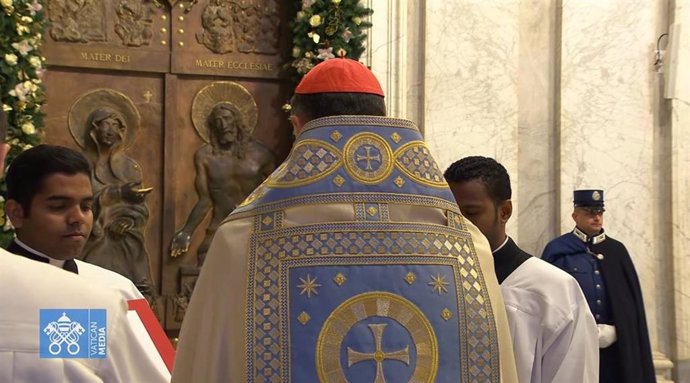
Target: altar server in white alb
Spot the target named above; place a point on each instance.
(554, 333)
(49, 201)
(27, 286)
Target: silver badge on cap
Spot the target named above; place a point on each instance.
(596, 195)
(600, 256)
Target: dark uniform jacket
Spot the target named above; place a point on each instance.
(605, 272)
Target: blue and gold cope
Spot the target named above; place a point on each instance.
(374, 299)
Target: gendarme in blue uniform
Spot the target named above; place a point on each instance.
(580, 256)
(605, 272)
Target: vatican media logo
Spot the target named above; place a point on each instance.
(73, 333)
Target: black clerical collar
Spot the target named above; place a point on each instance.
(55, 262)
(599, 238)
(500, 247)
(507, 258)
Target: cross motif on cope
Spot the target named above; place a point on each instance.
(369, 157)
(378, 355)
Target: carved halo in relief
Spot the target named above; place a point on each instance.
(223, 92)
(81, 109)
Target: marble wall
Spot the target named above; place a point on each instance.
(470, 82)
(565, 94)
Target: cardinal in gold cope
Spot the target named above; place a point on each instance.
(350, 263)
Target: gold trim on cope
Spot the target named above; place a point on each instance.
(385, 122)
(256, 194)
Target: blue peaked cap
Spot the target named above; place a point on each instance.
(588, 198)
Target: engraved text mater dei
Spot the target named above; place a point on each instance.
(105, 57)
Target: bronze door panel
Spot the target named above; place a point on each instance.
(121, 88)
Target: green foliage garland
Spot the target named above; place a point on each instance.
(21, 87)
(324, 29)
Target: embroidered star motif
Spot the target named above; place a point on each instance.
(438, 284)
(309, 286)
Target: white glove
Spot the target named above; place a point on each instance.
(607, 335)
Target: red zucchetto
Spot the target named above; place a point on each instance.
(339, 75)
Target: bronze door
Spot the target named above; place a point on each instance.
(178, 106)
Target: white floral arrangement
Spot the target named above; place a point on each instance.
(21, 71)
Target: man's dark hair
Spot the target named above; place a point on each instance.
(28, 170)
(487, 170)
(313, 106)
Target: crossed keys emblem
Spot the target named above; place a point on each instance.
(64, 331)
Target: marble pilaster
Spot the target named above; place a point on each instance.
(537, 124)
(395, 46)
(680, 122)
(470, 82)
